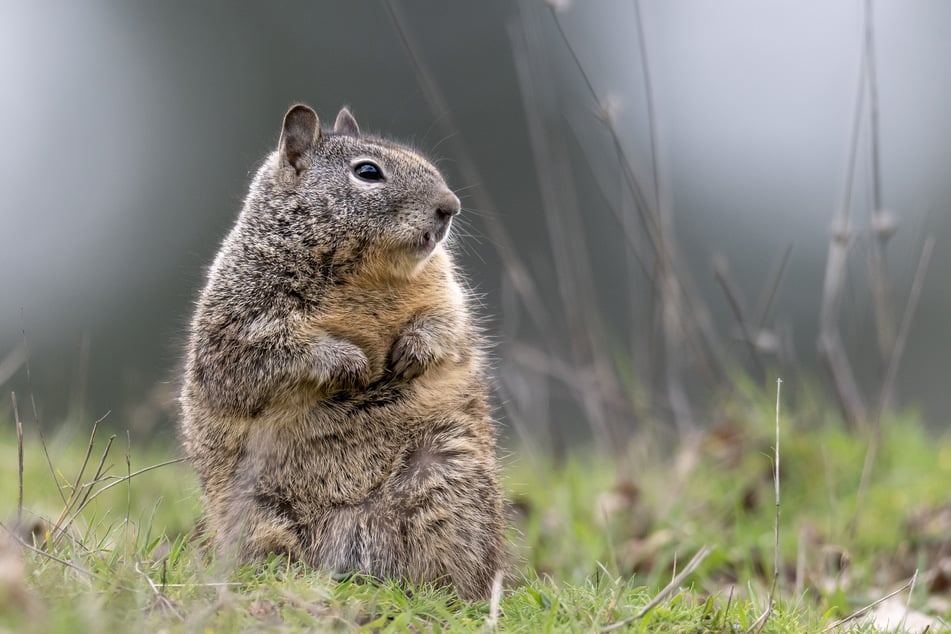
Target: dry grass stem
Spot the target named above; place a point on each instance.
(565, 232)
(722, 275)
(128, 470)
(683, 319)
(729, 600)
(691, 566)
(898, 349)
(776, 275)
(208, 584)
(120, 479)
(830, 342)
(516, 270)
(911, 592)
(76, 485)
(495, 601)
(12, 362)
(760, 623)
(19, 427)
(779, 386)
(36, 416)
(800, 563)
(39, 551)
(79, 491)
(881, 229)
(517, 273)
(891, 374)
(870, 606)
(161, 601)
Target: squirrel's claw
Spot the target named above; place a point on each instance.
(411, 356)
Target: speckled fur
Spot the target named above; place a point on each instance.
(335, 398)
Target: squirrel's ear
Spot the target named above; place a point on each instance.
(301, 132)
(346, 124)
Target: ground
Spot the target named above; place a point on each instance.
(596, 539)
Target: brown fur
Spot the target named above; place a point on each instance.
(335, 399)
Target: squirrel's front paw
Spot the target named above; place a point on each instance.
(341, 364)
(411, 355)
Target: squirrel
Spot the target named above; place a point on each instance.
(335, 396)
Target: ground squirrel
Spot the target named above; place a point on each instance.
(335, 398)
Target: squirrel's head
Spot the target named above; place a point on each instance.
(354, 196)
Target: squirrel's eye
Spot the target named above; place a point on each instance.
(368, 171)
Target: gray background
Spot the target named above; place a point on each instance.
(130, 131)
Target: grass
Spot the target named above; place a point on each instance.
(596, 541)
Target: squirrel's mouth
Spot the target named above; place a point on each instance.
(428, 240)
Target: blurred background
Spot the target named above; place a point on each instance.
(665, 202)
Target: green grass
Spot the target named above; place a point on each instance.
(594, 540)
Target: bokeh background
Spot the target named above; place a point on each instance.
(130, 131)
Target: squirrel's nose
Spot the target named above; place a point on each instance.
(447, 206)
